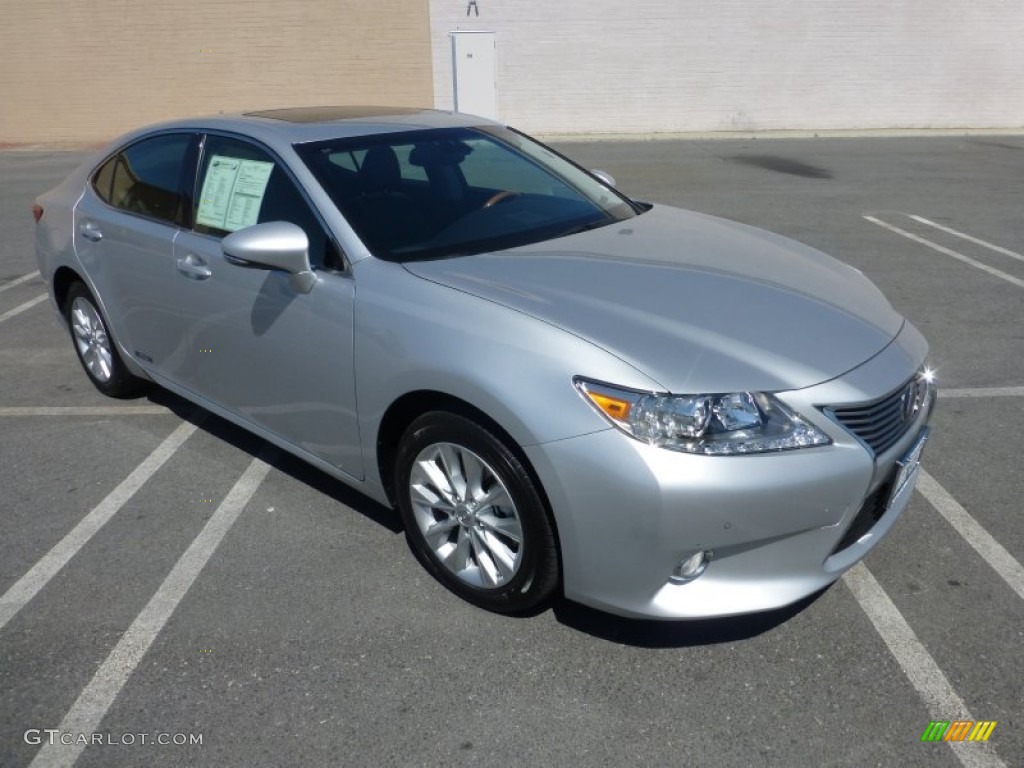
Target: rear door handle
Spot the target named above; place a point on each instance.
(194, 267)
(90, 230)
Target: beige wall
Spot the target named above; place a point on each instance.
(82, 71)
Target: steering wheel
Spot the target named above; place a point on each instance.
(505, 194)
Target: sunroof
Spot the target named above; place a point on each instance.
(328, 114)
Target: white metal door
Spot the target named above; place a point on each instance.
(473, 73)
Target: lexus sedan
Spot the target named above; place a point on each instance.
(656, 412)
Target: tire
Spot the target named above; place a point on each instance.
(95, 347)
(473, 514)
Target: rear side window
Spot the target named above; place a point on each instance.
(147, 178)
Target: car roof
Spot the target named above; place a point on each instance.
(299, 125)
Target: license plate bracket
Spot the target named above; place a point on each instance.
(907, 466)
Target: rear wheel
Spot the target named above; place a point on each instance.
(473, 514)
(95, 348)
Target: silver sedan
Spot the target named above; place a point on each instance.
(659, 413)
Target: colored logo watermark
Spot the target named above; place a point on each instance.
(958, 730)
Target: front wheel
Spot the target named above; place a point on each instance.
(473, 514)
(95, 348)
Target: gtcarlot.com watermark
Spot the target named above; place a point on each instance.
(54, 736)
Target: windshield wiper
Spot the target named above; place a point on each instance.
(586, 227)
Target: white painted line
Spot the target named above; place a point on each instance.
(92, 704)
(969, 238)
(918, 665)
(22, 307)
(85, 410)
(25, 588)
(983, 392)
(948, 252)
(991, 551)
(18, 281)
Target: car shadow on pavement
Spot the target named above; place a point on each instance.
(286, 463)
(645, 633)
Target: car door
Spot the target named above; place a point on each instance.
(125, 226)
(255, 345)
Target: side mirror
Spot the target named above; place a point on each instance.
(604, 177)
(277, 245)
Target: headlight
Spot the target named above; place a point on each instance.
(714, 424)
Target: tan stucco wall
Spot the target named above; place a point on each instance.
(82, 71)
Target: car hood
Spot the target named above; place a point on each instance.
(698, 304)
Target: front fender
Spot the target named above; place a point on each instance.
(412, 335)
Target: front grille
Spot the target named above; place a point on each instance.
(870, 513)
(881, 423)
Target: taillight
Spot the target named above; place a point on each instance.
(37, 212)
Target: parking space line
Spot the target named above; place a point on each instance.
(22, 307)
(18, 281)
(983, 392)
(917, 664)
(991, 551)
(23, 590)
(94, 701)
(85, 410)
(968, 238)
(948, 252)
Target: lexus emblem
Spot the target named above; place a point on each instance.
(912, 399)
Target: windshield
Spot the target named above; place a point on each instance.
(456, 191)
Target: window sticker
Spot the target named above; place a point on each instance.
(233, 192)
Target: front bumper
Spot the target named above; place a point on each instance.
(628, 513)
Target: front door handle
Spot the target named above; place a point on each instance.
(90, 230)
(194, 267)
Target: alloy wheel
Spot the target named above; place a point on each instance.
(91, 340)
(466, 515)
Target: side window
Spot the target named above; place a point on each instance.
(240, 185)
(408, 170)
(492, 166)
(348, 160)
(146, 178)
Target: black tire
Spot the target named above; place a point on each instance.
(95, 347)
(485, 531)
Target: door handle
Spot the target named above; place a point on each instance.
(194, 268)
(90, 230)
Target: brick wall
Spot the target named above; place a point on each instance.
(745, 65)
(82, 71)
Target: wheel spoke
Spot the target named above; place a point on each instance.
(496, 496)
(437, 535)
(500, 557)
(474, 476)
(436, 479)
(451, 464)
(488, 572)
(506, 527)
(429, 497)
(79, 325)
(92, 361)
(103, 362)
(83, 315)
(457, 559)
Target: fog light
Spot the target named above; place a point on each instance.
(691, 567)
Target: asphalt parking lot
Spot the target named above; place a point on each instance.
(166, 578)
